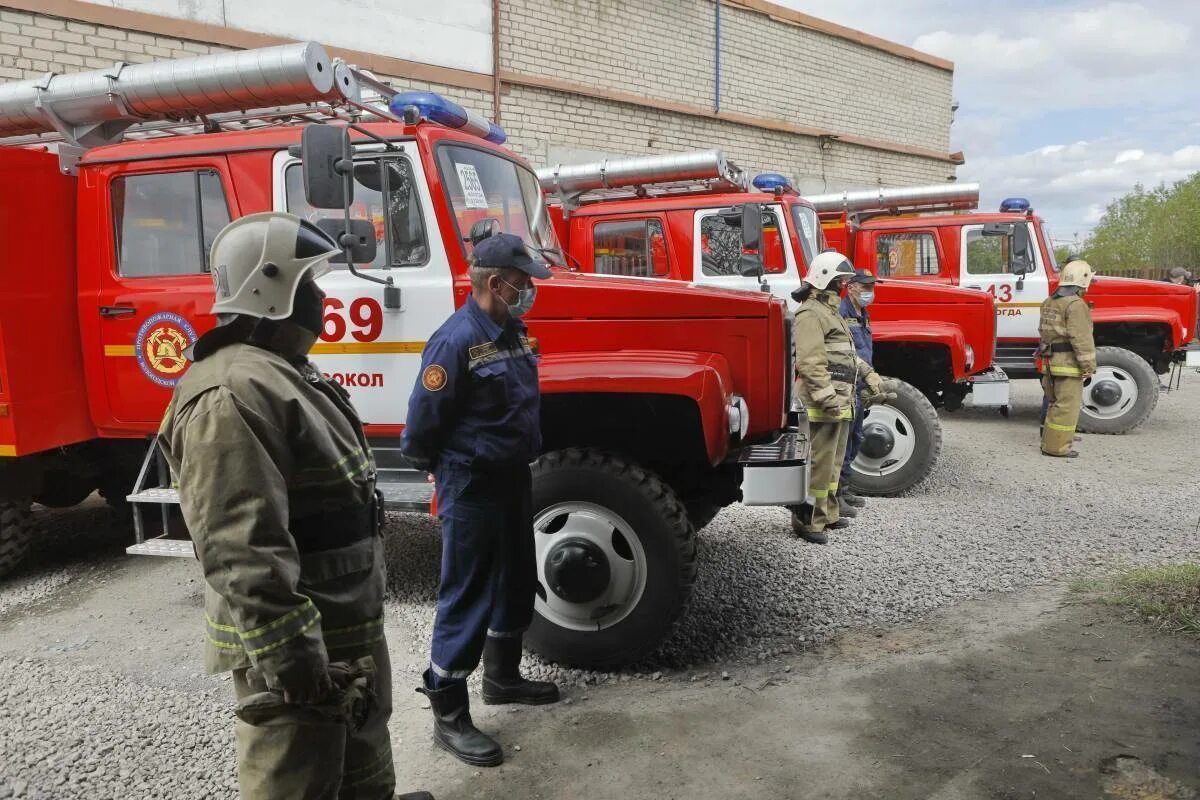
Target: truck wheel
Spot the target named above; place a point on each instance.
(616, 560)
(16, 531)
(901, 443)
(1121, 395)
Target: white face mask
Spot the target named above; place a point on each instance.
(525, 298)
(866, 298)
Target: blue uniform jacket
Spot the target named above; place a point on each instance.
(860, 330)
(476, 402)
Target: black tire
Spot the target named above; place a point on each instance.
(925, 430)
(16, 531)
(701, 512)
(1127, 370)
(659, 521)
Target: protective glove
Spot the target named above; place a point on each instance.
(878, 391)
(1087, 368)
(834, 406)
(354, 689)
(304, 687)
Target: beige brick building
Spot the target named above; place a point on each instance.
(829, 106)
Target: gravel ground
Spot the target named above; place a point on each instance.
(100, 653)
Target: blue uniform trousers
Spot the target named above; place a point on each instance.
(489, 568)
(854, 443)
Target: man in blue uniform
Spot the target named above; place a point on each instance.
(473, 421)
(860, 293)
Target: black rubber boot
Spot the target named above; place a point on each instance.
(853, 499)
(798, 523)
(453, 730)
(502, 681)
(845, 509)
(1071, 454)
(841, 523)
(414, 796)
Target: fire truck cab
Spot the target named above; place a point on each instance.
(660, 405)
(1141, 326)
(681, 217)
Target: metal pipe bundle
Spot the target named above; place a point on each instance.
(615, 173)
(94, 107)
(902, 199)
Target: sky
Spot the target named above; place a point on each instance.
(1069, 103)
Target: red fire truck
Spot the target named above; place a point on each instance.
(1140, 325)
(660, 405)
(679, 217)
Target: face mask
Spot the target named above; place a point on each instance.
(525, 298)
(866, 298)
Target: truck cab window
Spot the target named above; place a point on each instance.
(986, 254)
(399, 226)
(721, 246)
(906, 255)
(634, 247)
(165, 222)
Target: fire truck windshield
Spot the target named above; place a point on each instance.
(1048, 240)
(482, 184)
(809, 230)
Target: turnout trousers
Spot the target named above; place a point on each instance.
(1063, 396)
(828, 441)
(489, 568)
(291, 752)
(853, 442)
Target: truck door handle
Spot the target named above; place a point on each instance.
(117, 311)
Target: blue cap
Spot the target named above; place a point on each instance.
(506, 250)
(863, 277)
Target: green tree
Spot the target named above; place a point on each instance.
(1145, 233)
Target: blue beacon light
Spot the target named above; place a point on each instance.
(446, 113)
(1018, 204)
(771, 182)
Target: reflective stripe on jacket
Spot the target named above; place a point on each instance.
(1067, 348)
(258, 445)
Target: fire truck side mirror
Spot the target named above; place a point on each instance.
(752, 233)
(361, 239)
(483, 229)
(1021, 251)
(327, 159)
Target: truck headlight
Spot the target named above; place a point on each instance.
(738, 415)
(970, 357)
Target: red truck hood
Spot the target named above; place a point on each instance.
(1107, 285)
(571, 295)
(911, 311)
(1133, 300)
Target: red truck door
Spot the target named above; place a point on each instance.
(153, 292)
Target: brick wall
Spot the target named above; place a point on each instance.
(664, 49)
(33, 44)
(538, 120)
(658, 49)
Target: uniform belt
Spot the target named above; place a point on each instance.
(843, 373)
(1061, 347)
(329, 530)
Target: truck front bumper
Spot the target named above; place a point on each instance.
(990, 389)
(776, 473)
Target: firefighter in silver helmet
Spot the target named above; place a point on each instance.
(827, 369)
(277, 487)
(1067, 355)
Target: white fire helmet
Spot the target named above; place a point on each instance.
(260, 260)
(1077, 272)
(826, 267)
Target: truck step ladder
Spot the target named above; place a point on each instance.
(404, 490)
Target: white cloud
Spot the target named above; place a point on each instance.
(1070, 103)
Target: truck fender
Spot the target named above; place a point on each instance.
(945, 334)
(1148, 315)
(703, 377)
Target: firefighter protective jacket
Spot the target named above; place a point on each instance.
(1067, 348)
(827, 366)
(274, 475)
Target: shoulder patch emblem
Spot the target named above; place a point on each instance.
(434, 378)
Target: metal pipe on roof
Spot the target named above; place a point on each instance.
(901, 199)
(614, 173)
(95, 107)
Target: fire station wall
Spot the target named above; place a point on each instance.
(33, 44)
(769, 67)
(548, 126)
